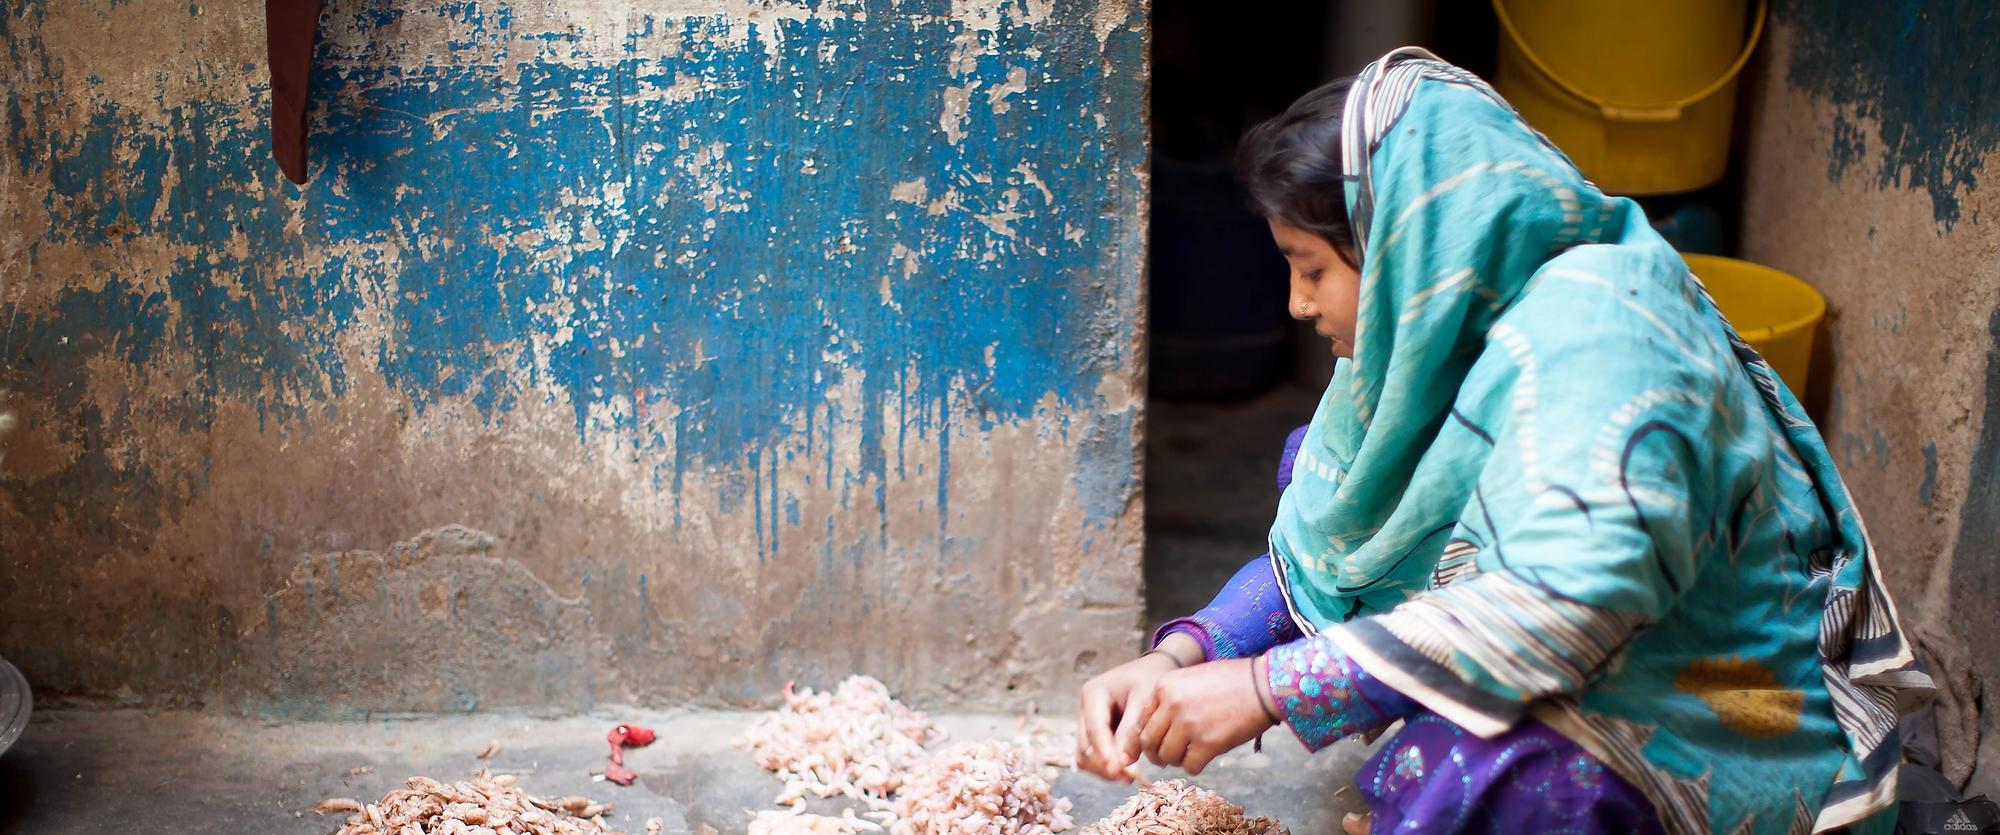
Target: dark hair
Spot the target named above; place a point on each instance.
(1291, 167)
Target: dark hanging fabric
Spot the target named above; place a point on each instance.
(292, 25)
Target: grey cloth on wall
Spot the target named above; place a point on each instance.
(1944, 735)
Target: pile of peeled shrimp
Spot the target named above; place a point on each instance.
(857, 741)
(854, 741)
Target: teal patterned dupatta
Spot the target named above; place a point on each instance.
(1553, 482)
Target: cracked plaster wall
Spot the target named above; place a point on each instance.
(613, 353)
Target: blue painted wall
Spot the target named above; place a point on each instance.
(741, 322)
(1909, 72)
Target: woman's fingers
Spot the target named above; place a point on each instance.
(1094, 742)
(1094, 764)
(1354, 824)
(1199, 755)
(1159, 719)
(1173, 748)
(1086, 756)
(1125, 744)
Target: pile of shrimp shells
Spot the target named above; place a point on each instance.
(1174, 807)
(485, 805)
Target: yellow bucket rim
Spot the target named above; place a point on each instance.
(1781, 330)
(1664, 111)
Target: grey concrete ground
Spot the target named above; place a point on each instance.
(78, 772)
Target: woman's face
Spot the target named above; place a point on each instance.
(1324, 287)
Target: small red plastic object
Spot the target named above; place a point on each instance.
(631, 736)
(625, 736)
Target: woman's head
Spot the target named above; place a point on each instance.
(1291, 167)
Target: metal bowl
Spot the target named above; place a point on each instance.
(15, 704)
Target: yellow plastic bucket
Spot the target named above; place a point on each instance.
(1640, 93)
(1776, 312)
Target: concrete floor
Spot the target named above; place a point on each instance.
(78, 772)
(1210, 492)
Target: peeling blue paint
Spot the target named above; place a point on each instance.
(1922, 71)
(723, 313)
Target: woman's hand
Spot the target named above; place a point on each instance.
(1200, 713)
(1116, 698)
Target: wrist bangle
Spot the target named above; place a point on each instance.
(1257, 688)
(1165, 654)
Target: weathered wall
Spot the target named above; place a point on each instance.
(715, 343)
(1872, 127)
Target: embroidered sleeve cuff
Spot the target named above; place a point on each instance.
(1323, 695)
(1193, 628)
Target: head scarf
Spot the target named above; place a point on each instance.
(1470, 202)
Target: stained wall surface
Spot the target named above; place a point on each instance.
(614, 352)
(1872, 136)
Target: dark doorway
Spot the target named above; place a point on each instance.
(1230, 373)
